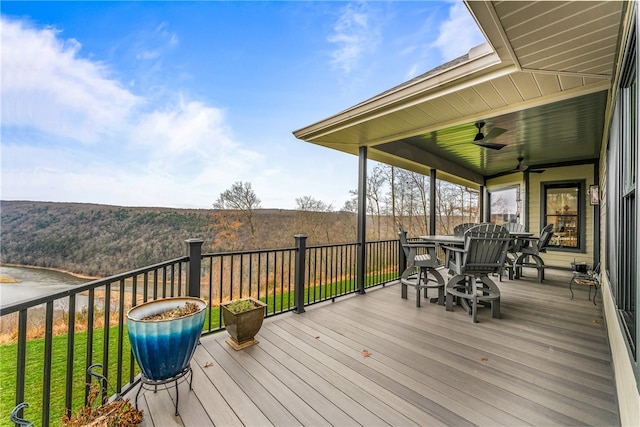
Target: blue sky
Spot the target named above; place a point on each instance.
(170, 103)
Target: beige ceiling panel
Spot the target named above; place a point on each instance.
(460, 103)
(584, 56)
(570, 82)
(553, 18)
(589, 81)
(418, 116)
(346, 137)
(447, 112)
(379, 128)
(473, 99)
(567, 47)
(548, 83)
(526, 85)
(514, 14)
(597, 62)
(490, 95)
(507, 89)
(432, 109)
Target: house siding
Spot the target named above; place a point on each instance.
(555, 258)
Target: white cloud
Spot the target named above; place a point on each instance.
(458, 33)
(154, 44)
(70, 133)
(45, 85)
(355, 35)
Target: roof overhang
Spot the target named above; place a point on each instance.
(544, 76)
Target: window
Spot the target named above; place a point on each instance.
(622, 220)
(505, 204)
(564, 207)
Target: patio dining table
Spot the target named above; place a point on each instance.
(453, 240)
(450, 239)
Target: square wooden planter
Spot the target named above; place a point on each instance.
(242, 327)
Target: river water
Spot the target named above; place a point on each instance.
(34, 282)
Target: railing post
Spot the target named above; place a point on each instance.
(194, 252)
(301, 253)
(402, 259)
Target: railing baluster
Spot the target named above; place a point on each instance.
(70, 353)
(210, 290)
(121, 314)
(145, 281)
(46, 377)
(106, 329)
(22, 357)
(155, 284)
(164, 282)
(242, 274)
(89, 354)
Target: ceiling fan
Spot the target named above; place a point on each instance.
(521, 167)
(486, 141)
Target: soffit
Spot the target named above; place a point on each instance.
(545, 81)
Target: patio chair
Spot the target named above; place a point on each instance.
(514, 247)
(459, 229)
(484, 253)
(421, 271)
(532, 248)
(590, 278)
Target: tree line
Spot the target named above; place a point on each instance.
(102, 240)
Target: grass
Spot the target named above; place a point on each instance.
(34, 373)
(35, 353)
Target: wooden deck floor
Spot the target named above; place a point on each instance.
(546, 362)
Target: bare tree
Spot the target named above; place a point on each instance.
(240, 197)
(351, 205)
(375, 182)
(309, 204)
(314, 218)
(421, 208)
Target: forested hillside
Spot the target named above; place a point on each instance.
(100, 240)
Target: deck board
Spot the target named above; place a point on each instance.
(545, 362)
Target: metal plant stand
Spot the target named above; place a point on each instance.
(148, 384)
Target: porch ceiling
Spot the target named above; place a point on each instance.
(544, 76)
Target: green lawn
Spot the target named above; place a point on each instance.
(34, 375)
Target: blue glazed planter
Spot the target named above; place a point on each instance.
(164, 348)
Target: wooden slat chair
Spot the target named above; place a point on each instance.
(460, 229)
(421, 271)
(533, 249)
(484, 252)
(514, 247)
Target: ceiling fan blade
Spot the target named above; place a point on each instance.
(491, 145)
(494, 133)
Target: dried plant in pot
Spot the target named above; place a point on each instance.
(243, 319)
(108, 412)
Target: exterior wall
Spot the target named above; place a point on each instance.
(558, 257)
(627, 386)
(554, 257)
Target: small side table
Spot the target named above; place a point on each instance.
(590, 278)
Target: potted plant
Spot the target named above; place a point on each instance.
(109, 412)
(243, 319)
(164, 334)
